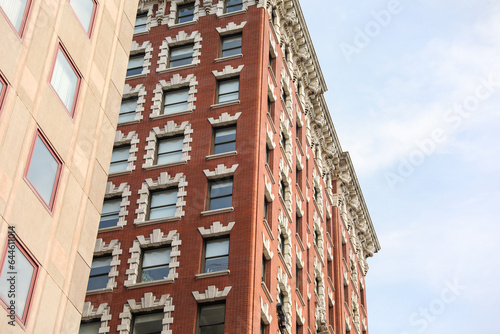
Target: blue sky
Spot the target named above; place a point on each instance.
(415, 102)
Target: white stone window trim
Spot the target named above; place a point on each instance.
(146, 8)
(287, 180)
(268, 190)
(182, 38)
(123, 191)
(170, 129)
(156, 238)
(211, 294)
(265, 315)
(285, 85)
(175, 82)
(298, 206)
(320, 233)
(266, 244)
(228, 72)
(283, 286)
(224, 119)
(269, 138)
(102, 312)
(231, 28)
(172, 17)
(220, 172)
(132, 139)
(220, 8)
(319, 190)
(147, 49)
(216, 230)
(113, 249)
(138, 91)
(147, 303)
(164, 181)
(270, 90)
(287, 132)
(285, 232)
(300, 318)
(298, 257)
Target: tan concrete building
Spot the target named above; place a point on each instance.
(62, 69)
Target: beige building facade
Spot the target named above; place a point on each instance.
(62, 70)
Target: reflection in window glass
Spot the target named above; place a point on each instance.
(231, 45)
(127, 110)
(185, 13)
(175, 101)
(43, 171)
(14, 9)
(212, 319)
(181, 55)
(135, 64)
(225, 140)
(119, 159)
(140, 23)
(89, 327)
(155, 264)
(148, 323)
(228, 90)
(110, 212)
(163, 204)
(216, 255)
(170, 150)
(84, 9)
(99, 273)
(64, 80)
(233, 5)
(221, 194)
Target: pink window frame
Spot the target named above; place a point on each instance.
(92, 19)
(48, 206)
(77, 72)
(34, 279)
(22, 28)
(3, 92)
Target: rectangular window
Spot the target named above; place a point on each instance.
(65, 80)
(264, 269)
(110, 212)
(211, 318)
(185, 13)
(150, 323)
(266, 209)
(17, 12)
(175, 101)
(43, 170)
(221, 194)
(181, 55)
(27, 269)
(135, 64)
(155, 264)
(231, 45)
(228, 90)
(99, 273)
(224, 140)
(91, 327)
(216, 255)
(127, 110)
(233, 5)
(85, 11)
(140, 23)
(119, 159)
(163, 204)
(169, 150)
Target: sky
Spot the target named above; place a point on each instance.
(414, 94)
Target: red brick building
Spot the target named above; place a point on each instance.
(230, 206)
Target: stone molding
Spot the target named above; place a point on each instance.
(175, 82)
(146, 48)
(140, 92)
(181, 38)
(123, 191)
(220, 171)
(132, 139)
(211, 294)
(216, 229)
(231, 28)
(228, 72)
(265, 316)
(224, 119)
(102, 312)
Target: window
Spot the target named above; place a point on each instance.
(282, 139)
(181, 55)
(155, 264)
(169, 150)
(65, 80)
(231, 45)
(85, 11)
(233, 5)
(163, 204)
(127, 110)
(266, 209)
(185, 13)
(110, 212)
(224, 140)
(298, 225)
(281, 246)
(298, 278)
(221, 194)
(211, 319)
(216, 255)
(16, 11)
(315, 193)
(90, 327)
(99, 273)
(150, 323)
(43, 171)
(119, 159)
(228, 90)
(140, 23)
(264, 269)
(268, 155)
(175, 101)
(282, 189)
(135, 64)
(27, 270)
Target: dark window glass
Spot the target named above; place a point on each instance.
(221, 194)
(282, 189)
(231, 45)
(216, 255)
(155, 264)
(110, 212)
(181, 55)
(212, 319)
(127, 110)
(282, 139)
(233, 5)
(135, 64)
(185, 13)
(175, 100)
(163, 204)
(150, 323)
(264, 268)
(169, 150)
(140, 23)
(99, 273)
(224, 139)
(89, 327)
(119, 159)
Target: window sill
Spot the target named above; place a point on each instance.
(109, 229)
(176, 68)
(177, 163)
(221, 59)
(237, 12)
(137, 76)
(213, 274)
(120, 173)
(184, 112)
(129, 122)
(183, 24)
(157, 221)
(224, 104)
(221, 155)
(266, 292)
(141, 33)
(299, 295)
(217, 211)
(97, 291)
(152, 283)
